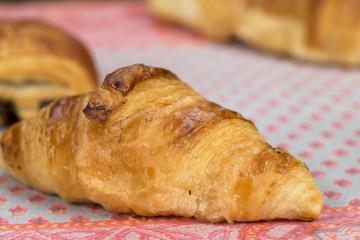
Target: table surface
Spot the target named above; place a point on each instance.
(311, 110)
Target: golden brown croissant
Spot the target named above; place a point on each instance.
(146, 142)
(322, 31)
(39, 63)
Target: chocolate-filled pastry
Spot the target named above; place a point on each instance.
(326, 31)
(39, 63)
(147, 143)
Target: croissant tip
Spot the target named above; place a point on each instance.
(126, 78)
(97, 112)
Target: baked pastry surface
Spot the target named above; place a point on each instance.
(326, 31)
(39, 63)
(146, 142)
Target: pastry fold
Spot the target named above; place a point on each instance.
(145, 142)
(326, 31)
(38, 63)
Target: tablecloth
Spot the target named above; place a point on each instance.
(311, 110)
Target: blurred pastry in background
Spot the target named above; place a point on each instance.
(38, 63)
(326, 31)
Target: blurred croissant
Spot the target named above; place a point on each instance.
(146, 142)
(38, 63)
(326, 31)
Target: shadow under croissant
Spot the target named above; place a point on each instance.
(8, 111)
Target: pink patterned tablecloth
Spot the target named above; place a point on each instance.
(311, 110)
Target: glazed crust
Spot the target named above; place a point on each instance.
(39, 62)
(146, 142)
(326, 31)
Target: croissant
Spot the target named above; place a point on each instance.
(326, 31)
(39, 63)
(147, 143)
